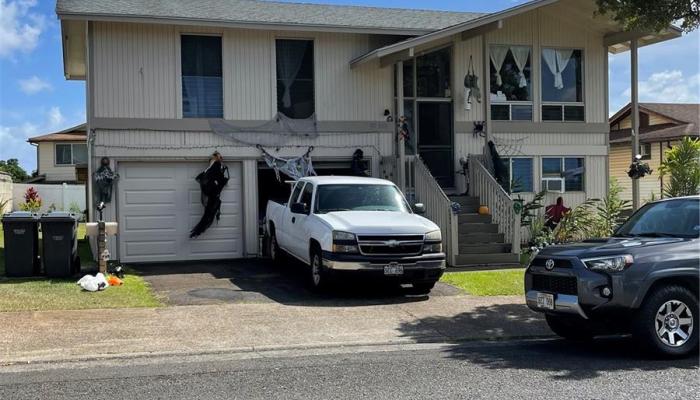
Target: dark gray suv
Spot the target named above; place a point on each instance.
(643, 280)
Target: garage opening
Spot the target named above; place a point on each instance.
(269, 188)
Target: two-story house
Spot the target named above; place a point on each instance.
(58, 154)
(170, 82)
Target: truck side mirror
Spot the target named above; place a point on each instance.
(419, 208)
(298, 208)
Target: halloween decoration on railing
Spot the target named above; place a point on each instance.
(104, 181)
(358, 164)
(211, 182)
(295, 168)
(500, 170)
(471, 86)
(638, 169)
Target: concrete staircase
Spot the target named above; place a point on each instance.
(479, 241)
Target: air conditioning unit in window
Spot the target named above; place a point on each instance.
(553, 184)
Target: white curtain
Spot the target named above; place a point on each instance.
(290, 56)
(557, 60)
(520, 54)
(498, 56)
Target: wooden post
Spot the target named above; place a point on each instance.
(634, 111)
(401, 170)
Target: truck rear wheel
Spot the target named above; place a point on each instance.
(570, 328)
(666, 323)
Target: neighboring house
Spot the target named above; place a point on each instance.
(58, 154)
(661, 126)
(168, 84)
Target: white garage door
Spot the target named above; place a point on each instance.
(158, 205)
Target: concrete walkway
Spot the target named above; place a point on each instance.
(82, 335)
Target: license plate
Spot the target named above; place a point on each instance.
(545, 300)
(393, 269)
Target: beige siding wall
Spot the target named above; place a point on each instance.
(137, 73)
(654, 119)
(47, 164)
(620, 159)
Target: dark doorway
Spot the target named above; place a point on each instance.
(435, 139)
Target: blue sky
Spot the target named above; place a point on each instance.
(36, 99)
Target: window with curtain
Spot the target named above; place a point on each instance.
(71, 153)
(202, 92)
(510, 82)
(562, 85)
(295, 77)
(570, 169)
(520, 174)
(433, 74)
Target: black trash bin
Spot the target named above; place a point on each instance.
(21, 229)
(60, 244)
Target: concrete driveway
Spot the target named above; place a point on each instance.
(260, 281)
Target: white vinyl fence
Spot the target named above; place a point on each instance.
(5, 193)
(59, 197)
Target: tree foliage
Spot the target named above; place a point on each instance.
(654, 15)
(12, 167)
(610, 210)
(682, 163)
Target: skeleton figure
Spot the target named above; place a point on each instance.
(104, 180)
(211, 181)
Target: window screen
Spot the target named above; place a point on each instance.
(63, 154)
(295, 77)
(202, 93)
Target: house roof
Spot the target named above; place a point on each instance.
(685, 122)
(73, 134)
(267, 13)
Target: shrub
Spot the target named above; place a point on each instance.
(32, 201)
(682, 163)
(610, 211)
(74, 207)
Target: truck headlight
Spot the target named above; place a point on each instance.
(609, 263)
(433, 236)
(433, 242)
(340, 235)
(344, 242)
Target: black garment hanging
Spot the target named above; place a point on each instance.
(211, 182)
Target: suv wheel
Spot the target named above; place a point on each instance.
(571, 328)
(666, 322)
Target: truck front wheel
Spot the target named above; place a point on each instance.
(318, 276)
(274, 249)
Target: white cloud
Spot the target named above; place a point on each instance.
(34, 85)
(19, 27)
(669, 86)
(14, 137)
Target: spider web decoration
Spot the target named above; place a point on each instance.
(509, 147)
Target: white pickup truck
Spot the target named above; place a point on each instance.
(350, 225)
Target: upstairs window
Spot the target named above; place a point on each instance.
(511, 91)
(71, 154)
(202, 92)
(562, 85)
(295, 77)
(563, 174)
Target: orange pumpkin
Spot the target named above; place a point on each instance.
(484, 210)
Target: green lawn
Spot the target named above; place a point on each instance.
(488, 283)
(21, 294)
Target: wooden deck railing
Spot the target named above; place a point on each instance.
(438, 207)
(483, 185)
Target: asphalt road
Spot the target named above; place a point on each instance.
(542, 369)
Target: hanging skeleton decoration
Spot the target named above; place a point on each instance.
(104, 181)
(295, 168)
(471, 86)
(212, 182)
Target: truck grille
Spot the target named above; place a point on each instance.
(558, 263)
(408, 245)
(555, 284)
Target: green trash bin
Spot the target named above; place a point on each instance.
(59, 233)
(21, 229)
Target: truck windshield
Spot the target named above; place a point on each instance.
(672, 218)
(359, 198)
